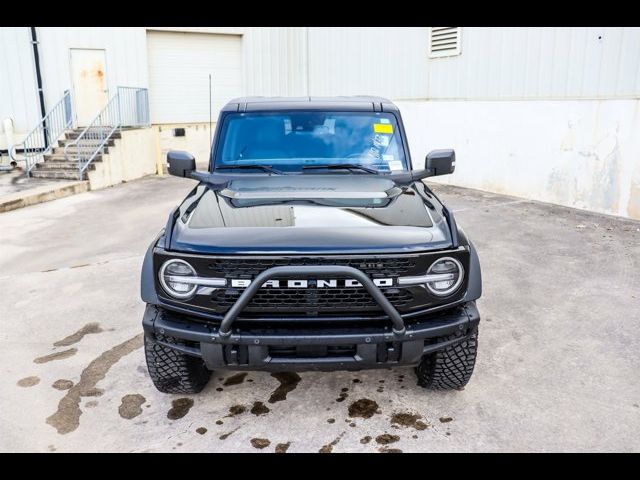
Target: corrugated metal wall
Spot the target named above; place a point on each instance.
(18, 87)
(125, 49)
(126, 58)
(275, 61)
(495, 63)
(391, 62)
(538, 63)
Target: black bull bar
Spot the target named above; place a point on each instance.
(320, 271)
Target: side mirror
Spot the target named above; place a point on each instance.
(180, 164)
(440, 162)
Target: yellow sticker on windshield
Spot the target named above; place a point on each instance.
(382, 128)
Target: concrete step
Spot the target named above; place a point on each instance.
(75, 134)
(74, 150)
(59, 157)
(67, 174)
(44, 193)
(61, 165)
(87, 142)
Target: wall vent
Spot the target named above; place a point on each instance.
(444, 41)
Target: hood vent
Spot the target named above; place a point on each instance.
(311, 187)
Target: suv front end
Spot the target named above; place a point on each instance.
(343, 271)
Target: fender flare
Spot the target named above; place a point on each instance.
(147, 281)
(474, 286)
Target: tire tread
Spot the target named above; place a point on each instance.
(172, 371)
(450, 368)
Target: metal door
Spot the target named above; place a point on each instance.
(89, 79)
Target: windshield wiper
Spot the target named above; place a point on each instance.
(264, 168)
(344, 166)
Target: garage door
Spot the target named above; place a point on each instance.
(179, 68)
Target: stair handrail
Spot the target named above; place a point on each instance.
(129, 107)
(85, 143)
(43, 137)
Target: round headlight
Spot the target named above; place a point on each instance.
(451, 272)
(170, 274)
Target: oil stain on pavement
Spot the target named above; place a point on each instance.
(28, 381)
(288, 382)
(259, 408)
(387, 438)
(389, 450)
(407, 419)
(236, 410)
(62, 384)
(67, 418)
(89, 328)
(260, 443)
(364, 408)
(236, 379)
(56, 356)
(131, 406)
(224, 436)
(283, 447)
(179, 408)
(328, 448)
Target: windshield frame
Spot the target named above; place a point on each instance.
(217, 143)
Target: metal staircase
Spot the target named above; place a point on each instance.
(72, 156)
(129, 107)
(44, 136)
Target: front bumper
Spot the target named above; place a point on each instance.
(329, 348)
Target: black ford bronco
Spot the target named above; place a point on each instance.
(311, 243)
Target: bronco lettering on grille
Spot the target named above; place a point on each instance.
(320, 283)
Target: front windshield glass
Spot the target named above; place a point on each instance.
(300, 141)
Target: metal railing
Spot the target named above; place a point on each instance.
(129, 107)
(46, 133)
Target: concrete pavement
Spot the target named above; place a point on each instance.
(557, 366)
(18, 191)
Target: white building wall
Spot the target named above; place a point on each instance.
(275, 61)
(18, 86)
(274, 64)
(544, 113)
(126, 56)
(391, 62)
(497, 63)
(539, 63)
(274, 58)
(579, 153)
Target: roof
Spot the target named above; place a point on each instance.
(342, 103)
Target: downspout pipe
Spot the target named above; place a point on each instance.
(36, 61)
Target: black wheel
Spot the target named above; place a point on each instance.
(450, 368)
(172, 371)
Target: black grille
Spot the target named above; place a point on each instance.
(250, 267)
(311, 301)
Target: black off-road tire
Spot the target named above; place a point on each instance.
(450, 368)
(172, 371)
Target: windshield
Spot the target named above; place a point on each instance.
(311, 142)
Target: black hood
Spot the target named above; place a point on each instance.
(310, 213)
